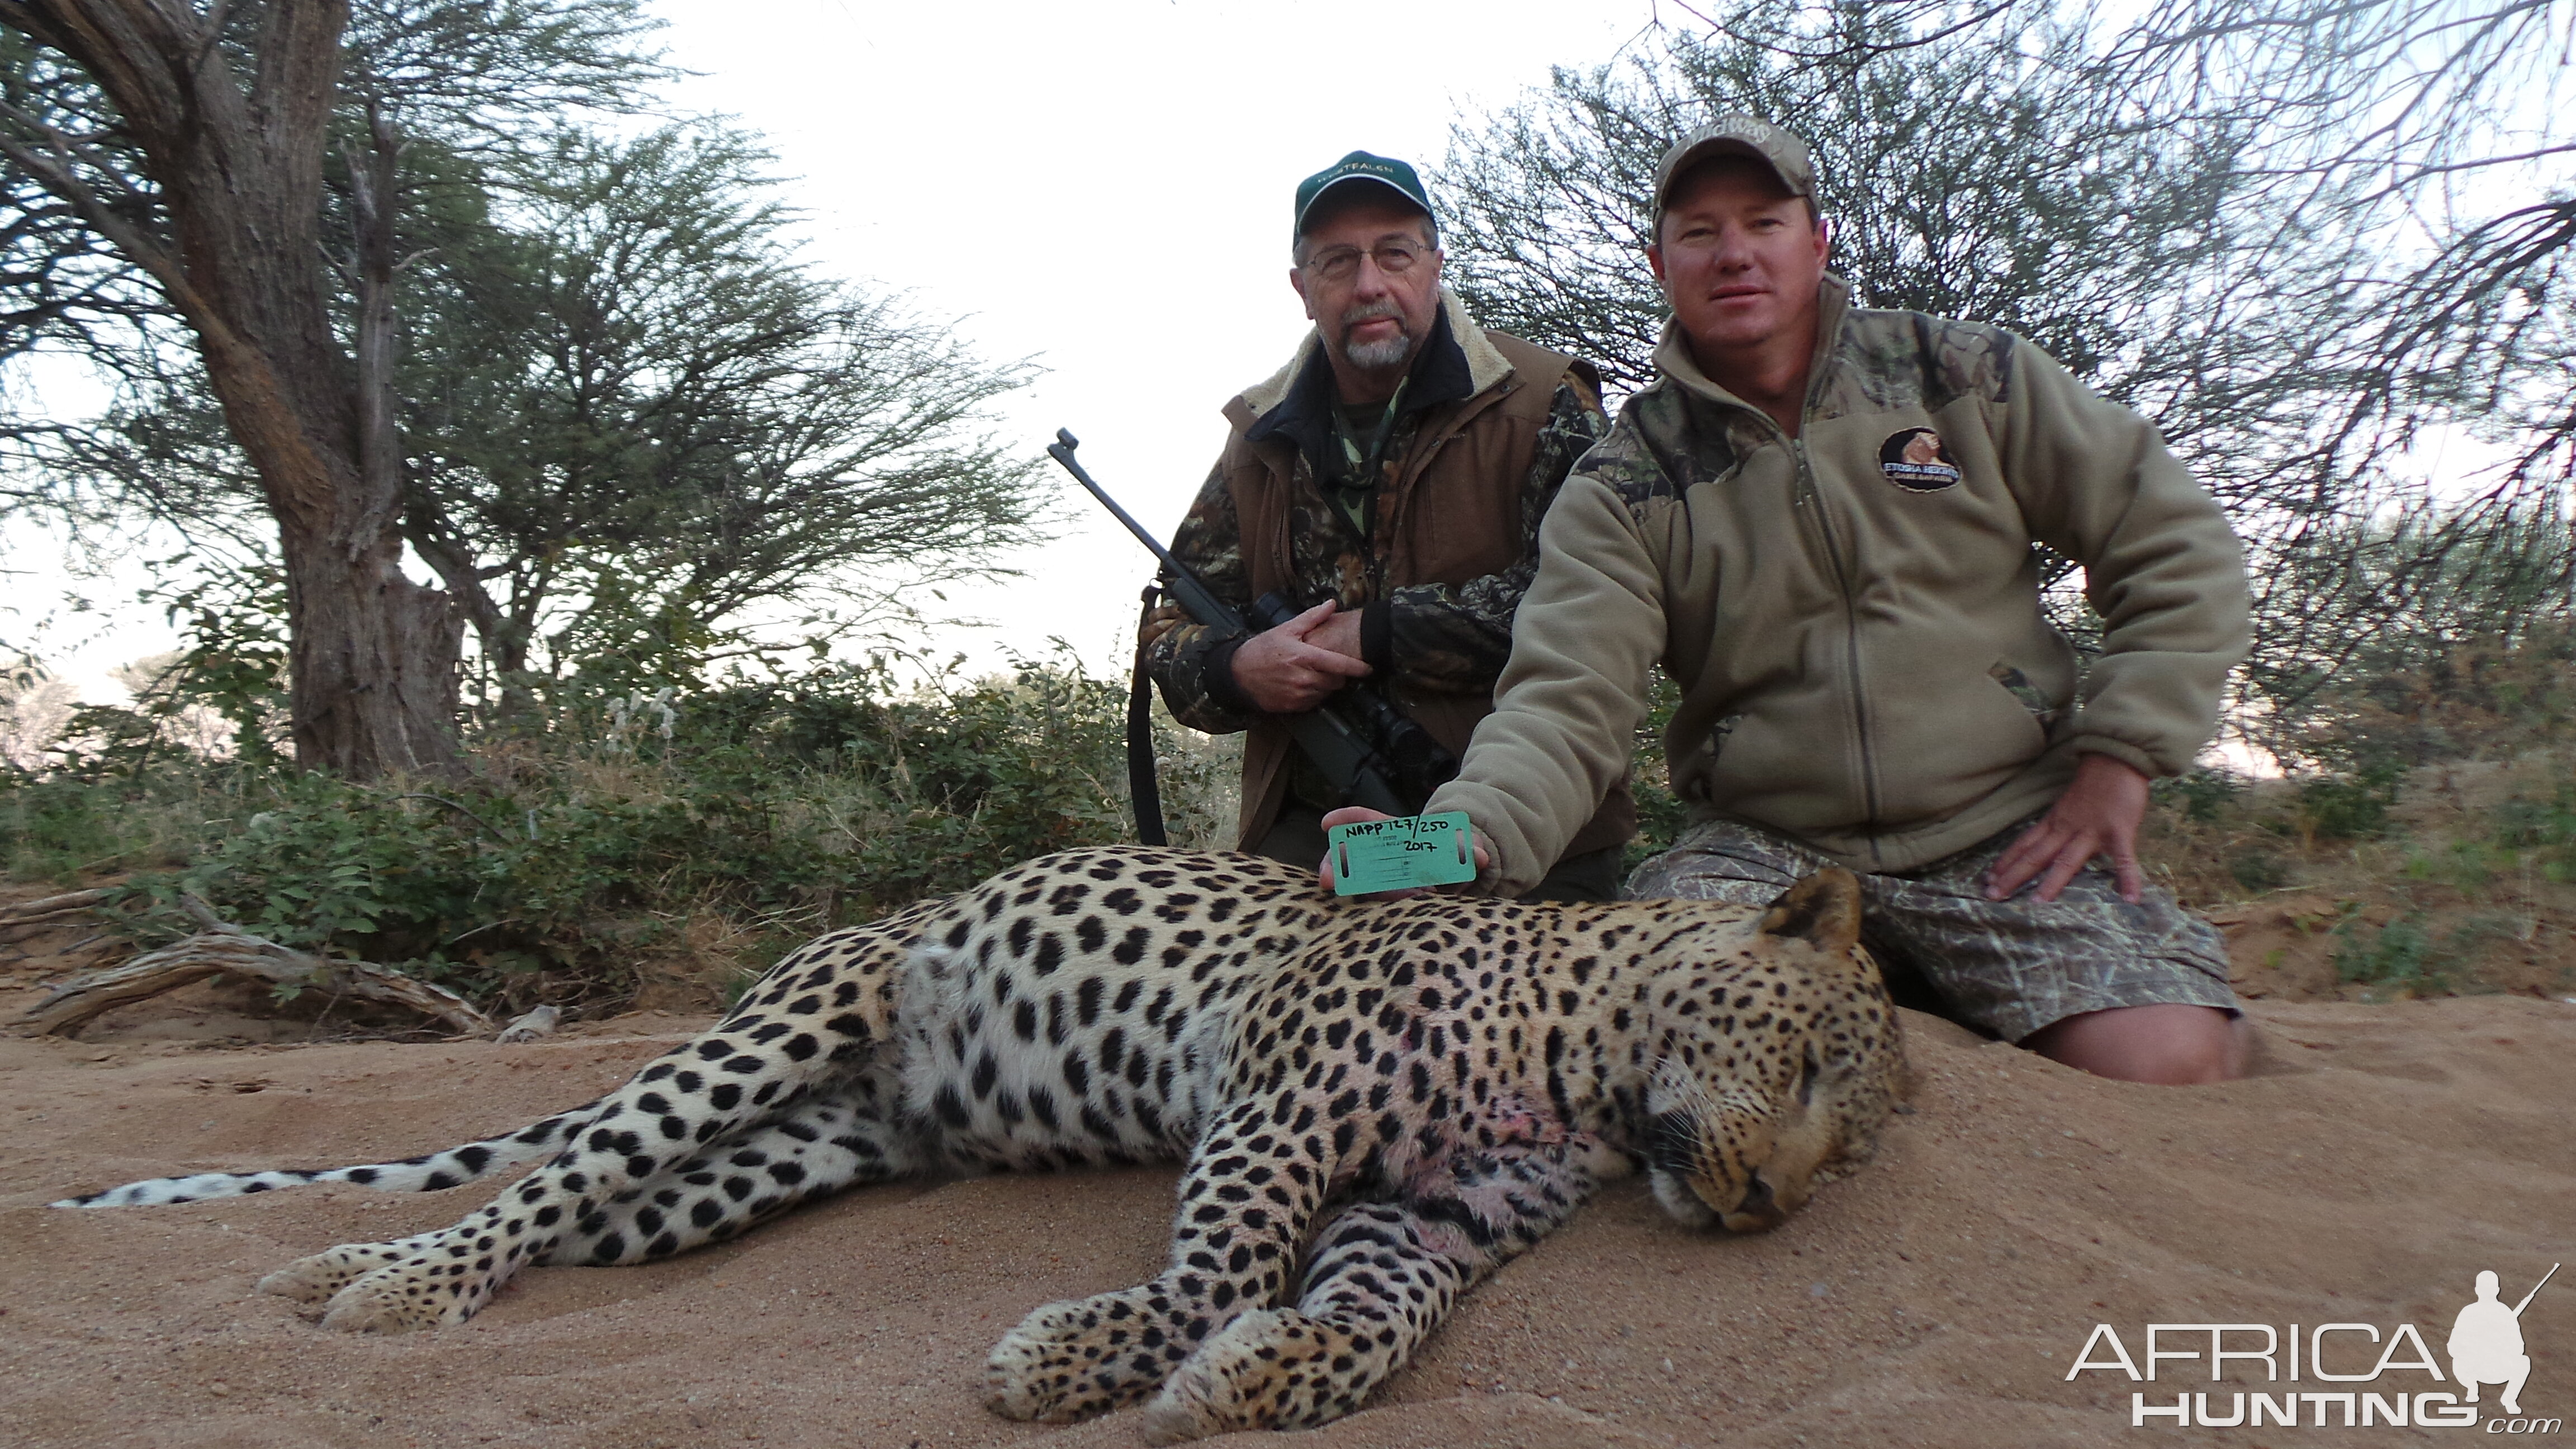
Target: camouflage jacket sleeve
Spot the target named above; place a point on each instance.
(1190, 662)
(1454, 638)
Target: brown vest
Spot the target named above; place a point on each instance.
(1454, 514)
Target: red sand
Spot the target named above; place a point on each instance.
(2384, 1156)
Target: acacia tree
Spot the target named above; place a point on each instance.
(629, 413)
(630, 403)
(196, 144)
(2451, 126)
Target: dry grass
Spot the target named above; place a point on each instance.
(2449, 870)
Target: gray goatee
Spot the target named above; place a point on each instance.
(1376, 356)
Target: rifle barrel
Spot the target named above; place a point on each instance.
(2535, 1289)
(1062, 451)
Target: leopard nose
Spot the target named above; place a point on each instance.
(1758, 1212)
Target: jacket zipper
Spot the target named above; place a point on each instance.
(1414, 468)
(1809, 498)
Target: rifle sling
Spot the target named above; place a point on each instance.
(1144, 791)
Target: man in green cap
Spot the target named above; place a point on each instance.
(1820, 521)
(1389, 480)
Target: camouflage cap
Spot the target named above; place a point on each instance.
(1736, 135)
(1360, 166)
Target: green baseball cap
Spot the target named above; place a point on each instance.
(1361, 167)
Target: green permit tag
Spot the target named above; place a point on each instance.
(1412, 850)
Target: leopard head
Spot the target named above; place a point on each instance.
(1776, 1064)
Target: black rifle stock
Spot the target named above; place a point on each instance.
(1351, 755)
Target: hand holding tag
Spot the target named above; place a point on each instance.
(1369, 853)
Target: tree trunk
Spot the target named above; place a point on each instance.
(373, 655)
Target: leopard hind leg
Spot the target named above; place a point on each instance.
(449, 1277)
(819, 1025)
(822, 1146)
(825, 1145)
(1378, 1281)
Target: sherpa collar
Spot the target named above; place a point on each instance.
(1457, 362)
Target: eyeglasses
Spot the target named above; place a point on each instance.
(1343, 263)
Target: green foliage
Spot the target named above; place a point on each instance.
(634, 412)
(785, 806)
(2450, 686)
(2546, 830)
(2527, 838)
(2404, 953)
(2202, 795)
(2395, 954)
(1661, 815)
(235, 660)
(56, 828)
(2350, 807)
(2258, 870)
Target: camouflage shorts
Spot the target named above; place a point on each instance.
(2008, 967)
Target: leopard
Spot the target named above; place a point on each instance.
(1378, 1102)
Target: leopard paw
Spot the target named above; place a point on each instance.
(1274, 1368)
(413, 1294)
(1077, 1359)
(316, 1279)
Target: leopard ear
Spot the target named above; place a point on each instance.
(1823, 909)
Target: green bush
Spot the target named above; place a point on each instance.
(2258, 870)
(55, 829)
(2202, 795)
(2404, 952)
(602, 824)
(2350, 807)
(1661, 815)
(2545, 831)
(2394, 954)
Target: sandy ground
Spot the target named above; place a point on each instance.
(2384, 1156)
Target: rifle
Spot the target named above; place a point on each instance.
(1360, 742)
(2536, 1287)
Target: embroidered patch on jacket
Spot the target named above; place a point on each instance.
(1917, 461)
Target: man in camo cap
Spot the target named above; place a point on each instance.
(1389, 481)
(1820, 520)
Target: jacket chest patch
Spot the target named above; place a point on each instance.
(1917, 461)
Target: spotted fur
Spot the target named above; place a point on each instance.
(1379, 1103)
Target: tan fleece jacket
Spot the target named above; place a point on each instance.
(1853, 615)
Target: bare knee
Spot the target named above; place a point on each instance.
(2169, 1045)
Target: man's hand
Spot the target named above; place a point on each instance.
(1353, 815)
(2098, 815)
(1297, 666)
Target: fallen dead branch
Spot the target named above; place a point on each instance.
(532, 1025)
(223, 947)
(50, 910)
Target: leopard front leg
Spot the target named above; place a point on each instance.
(1380, 1279)
(1249, 1194)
